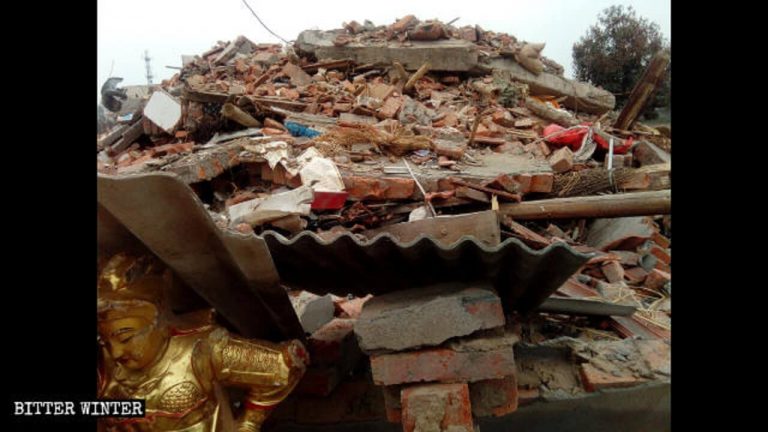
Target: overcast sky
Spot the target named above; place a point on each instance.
(170, 28)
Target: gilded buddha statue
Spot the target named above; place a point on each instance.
(180, 372)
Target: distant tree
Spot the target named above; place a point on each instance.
(614, 53)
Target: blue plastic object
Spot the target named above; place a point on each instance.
(299, 130)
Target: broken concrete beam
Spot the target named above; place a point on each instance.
(561, 160)
(579, 96)
(628, 204)
(467, 360)
(483, 226)
(427, 316)
(561, 117)
(620, 233)
(494, 397)
(437, 408)
(163, 110)
(313, 311)
(648, 153)
(442, 55)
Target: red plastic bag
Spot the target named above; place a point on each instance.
(574, 137)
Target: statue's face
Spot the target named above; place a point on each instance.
(133, 341)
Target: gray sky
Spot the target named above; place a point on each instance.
(170, 28)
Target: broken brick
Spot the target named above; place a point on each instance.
(613, 271)
(561, 160)
(595, 379)
(379, 188)
(656, 279)
(390, 108)
(462, 361)
(449, 148)
(437, 407)
(494, 397)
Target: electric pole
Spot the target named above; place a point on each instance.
(149, 67)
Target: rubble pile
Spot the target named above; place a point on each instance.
(409, 130)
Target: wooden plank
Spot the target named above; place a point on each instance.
(643, 90)
(528, 236)
(629, 204)
(483, 226)
(133, 133)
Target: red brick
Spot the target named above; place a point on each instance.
(438, 407)
(449, 119)
(444, 365)
(661, 254)
(392, 404)
(542, 182)
(379, 188)
(390, 108)
(449, 148)
(351, 308)
(327, 345)
(594, 379)
(660, 240)
(635, 275)
(561, 160)
(656, 279)
(494, 397)
(503, 118)
(613, 271)
(402, 23)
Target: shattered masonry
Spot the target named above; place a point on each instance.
(536, 235)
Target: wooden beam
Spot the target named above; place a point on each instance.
(643, 90)
(629, 204)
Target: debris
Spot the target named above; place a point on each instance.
(260, 211)
(643, 90)
(647, 153)
(235, 114)
(426, 317)
(561, 160)
(464, 360)
(628, 204)
(620, 233)
(482, 226)
(313, 311)
(436, 407)
(163, 110)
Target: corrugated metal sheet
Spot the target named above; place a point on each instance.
(523, 277)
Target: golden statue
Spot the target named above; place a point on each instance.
(180, 372)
